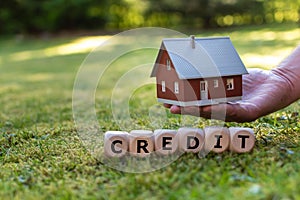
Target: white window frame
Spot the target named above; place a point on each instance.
(216, 83)
(230, 84)
(176, 87)
(168, 62)
(163, 86)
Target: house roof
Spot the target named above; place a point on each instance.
(210, 57)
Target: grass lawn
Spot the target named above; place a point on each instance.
(42, 157)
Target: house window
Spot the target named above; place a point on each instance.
(168, 64)
(216, 83)
(176, 87)
(163, 86)
(230, 84)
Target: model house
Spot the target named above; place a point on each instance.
(198, 71)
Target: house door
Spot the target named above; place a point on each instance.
(203, 90)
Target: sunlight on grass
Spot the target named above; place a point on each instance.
(265, 61)
(39, 77)
(265, 49)
(257, 48)
(80, 45)
(271, 35)
(10, 87)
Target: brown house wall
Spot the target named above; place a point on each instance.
(237, 86)
(192, 89)
(189, 90)
(169, 76)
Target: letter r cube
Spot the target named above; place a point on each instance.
(141, 142)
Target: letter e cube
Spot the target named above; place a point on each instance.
(166, 141)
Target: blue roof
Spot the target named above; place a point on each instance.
(211, 57)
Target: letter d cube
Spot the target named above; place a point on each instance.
(191, 139)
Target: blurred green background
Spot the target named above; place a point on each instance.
(32, 16)
(42, 45)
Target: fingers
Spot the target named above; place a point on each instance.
(239, 112)
(190, 110)
(197, 111)
(224, 112)
(167, 105)
(175, 109)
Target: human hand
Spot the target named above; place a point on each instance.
(264, 92)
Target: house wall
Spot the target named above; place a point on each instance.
(169, 76)
(192, 88)
(189, 90)
(238, 88)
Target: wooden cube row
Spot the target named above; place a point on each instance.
(165, 141)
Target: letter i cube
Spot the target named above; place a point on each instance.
(115, 143)
(141, 142)
(241, 139)
(216, 139)
(191, 139)
(166, 141)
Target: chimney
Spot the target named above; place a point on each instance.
(193, 41)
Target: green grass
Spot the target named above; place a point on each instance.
(41, 156)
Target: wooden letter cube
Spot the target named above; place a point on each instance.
(141, 142)
(191, 139)
(241, 139)
(216, 139)
(166, 141)
(115, 143)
